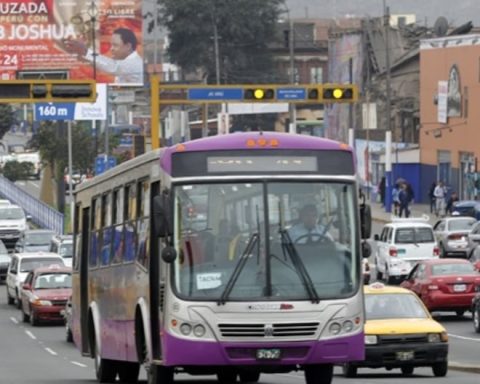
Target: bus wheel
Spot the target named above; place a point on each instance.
(249, 377)
(227, 376)
(157, 374)
(128, 372)
(106, 370)
(349, 370)
(318, 374)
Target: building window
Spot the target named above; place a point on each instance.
(316, 75)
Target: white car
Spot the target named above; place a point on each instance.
(23, 263)
(402, 243)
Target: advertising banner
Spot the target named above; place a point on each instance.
(74, 111)
(88, 39)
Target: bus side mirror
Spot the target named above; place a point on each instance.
(365, 221)
(169, 254)
(162, 217)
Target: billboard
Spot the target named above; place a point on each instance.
(99, 39)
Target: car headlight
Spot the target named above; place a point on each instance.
(371, 339)
(42, 303)
(433, 337)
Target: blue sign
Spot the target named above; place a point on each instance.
(54, 111)
(291, 93)
(102, 166)
(215, 94)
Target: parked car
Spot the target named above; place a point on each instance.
(444, 284)
(400, 333)
(4, 262)
(63, 246)
(13, 221)
(19, 267)
(467, 208)
(452, 235)
(34, 158)
(473, 237)
(34, 240)
(401, 244)
(4, 202)
(45, 293)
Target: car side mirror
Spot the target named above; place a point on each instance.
(376, 237)
(27, 287)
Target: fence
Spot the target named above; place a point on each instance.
(42, 214)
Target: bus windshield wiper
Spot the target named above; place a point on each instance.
(254, 238)
(287, 245)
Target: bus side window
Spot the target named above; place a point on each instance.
(106, 240)
(143, 222)
(130, 232)
(117, 217)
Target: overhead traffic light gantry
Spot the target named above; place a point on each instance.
(259, 94)
(338, 93)
(41, 91)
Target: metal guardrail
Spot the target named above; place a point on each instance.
(42, 214)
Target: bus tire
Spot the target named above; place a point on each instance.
(249, 377)
(105, 370)
(349, 370)
(128, 371)
(157, 374)
(318, 374)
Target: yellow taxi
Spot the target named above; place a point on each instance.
(400, 333)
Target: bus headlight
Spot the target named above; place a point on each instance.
(371, 339)
(185, 329)
(199, 330)
(335, 328)
(347, 326)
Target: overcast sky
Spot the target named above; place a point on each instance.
(457, 12)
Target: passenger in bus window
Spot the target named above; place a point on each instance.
(307, 230)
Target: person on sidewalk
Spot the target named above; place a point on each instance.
(381, 190)
(451, 200)
(431, 197)
(395, 200)
(404, 199)
(439, 193)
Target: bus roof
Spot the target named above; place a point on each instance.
(252, 141)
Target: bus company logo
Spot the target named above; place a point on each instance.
(270, 307)
(268, 330)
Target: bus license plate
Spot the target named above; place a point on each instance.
(405, 355)
(268, 354)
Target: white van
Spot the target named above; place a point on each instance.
(23, 263)
(402, 243)
(13, 221)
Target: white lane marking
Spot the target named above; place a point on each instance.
(51, 351)
(31, 335)
(14, 320)
(35, 184)
(79, 364)
(464, 337)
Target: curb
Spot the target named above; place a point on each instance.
(464, 367)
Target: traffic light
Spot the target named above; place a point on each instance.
(41, 91)
(259, 94)
(338, 93)
(313, 94)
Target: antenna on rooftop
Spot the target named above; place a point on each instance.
(440, 28)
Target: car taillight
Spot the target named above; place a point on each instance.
(457, 236)
(436, 251)
(393, 252)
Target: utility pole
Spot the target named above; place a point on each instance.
(388, 149)
(291, 46)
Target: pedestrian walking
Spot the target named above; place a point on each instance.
(431, 197)
(404, 199)
(440, 193)
(396, 201)
(381, 190)
(451, 200)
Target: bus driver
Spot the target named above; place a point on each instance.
(308, 230)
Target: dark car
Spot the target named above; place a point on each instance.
(4, 261)
(467, 208)
(34, 240)
(45, 293)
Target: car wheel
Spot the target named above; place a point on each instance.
(10, 299)
(476, 319)
(407, 370)
(460, 312)
(349, 370)
(25, 317)
(388, 279)
(440, 369)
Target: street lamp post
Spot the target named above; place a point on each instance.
(291, 51)
(93, 13)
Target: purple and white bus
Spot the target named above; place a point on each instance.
(231, 255)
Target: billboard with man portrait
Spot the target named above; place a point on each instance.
(87, 39)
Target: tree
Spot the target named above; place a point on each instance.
(7, 118)
(245, 28)
(13, 170)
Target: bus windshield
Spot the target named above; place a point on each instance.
(266, 240)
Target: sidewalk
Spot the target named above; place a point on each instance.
(416, 210)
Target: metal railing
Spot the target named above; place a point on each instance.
(42, 214)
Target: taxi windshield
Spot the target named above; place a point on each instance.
(393, 306)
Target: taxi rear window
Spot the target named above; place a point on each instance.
(413, 235)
